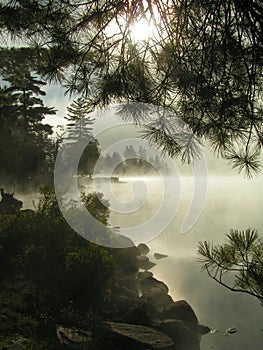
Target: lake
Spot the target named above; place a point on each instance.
(231, 202)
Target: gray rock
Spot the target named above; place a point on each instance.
(200, 329)
(130, 282)
(144, 274)
(144, 263)
(72, 335)
(185, 338)
(143, 248)
(156, 292)
(19, 344)
(159, 256)
(181, 310)
(160, 300)
(137, 337)
(123, 303)
(151, 285)
(142, 312)
(119, 289)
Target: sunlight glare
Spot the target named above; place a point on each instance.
(136, 178)
(142, 30)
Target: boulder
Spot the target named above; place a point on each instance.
(119, 289)
(144, 262)
(177, 330)
(159, 256)
(122, 305)
(144, 274)
(119, 302)
(130, 282)
(181, 310)
(159, 300)
(72, 335)
(142, 312)
(200, 329)
(143, 249)
(130, 337)
(156, 292)
(19, 344)
(151, 285)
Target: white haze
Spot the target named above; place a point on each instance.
(232, 202)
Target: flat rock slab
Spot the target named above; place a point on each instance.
(151, 338)
(159, 256)
(73, 335)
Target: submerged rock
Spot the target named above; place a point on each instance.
(131, 336)
(231, 330)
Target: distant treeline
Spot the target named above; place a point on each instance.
(130, 162)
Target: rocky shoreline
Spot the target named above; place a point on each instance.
(139, 313)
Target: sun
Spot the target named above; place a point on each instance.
(142, 30)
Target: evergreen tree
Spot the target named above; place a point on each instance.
(117, 160)
(80, 130)
(129, 152)
(142, 157)
(89, 157)
(25, 139)
(80, 122)
(130, 157)
(241, 258)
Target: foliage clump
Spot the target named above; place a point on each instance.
(49, 274)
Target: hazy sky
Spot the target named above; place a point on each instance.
(107, 121)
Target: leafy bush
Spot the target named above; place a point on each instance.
(49, 274)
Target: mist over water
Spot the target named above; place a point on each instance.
(214, 305)
(231, 202)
